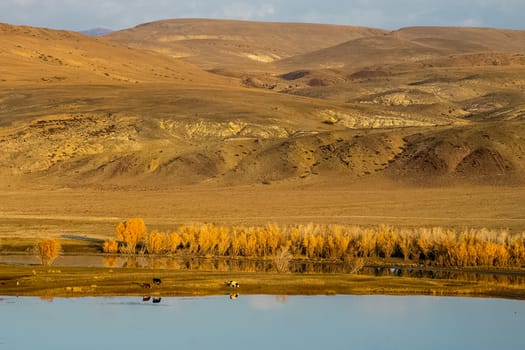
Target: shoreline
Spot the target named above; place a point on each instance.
(55, 281)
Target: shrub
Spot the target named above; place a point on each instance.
(110, 246)
(282, 259)
(131, 232)
(47, 250)
(173, 242)
(155, 242)
(353, 264)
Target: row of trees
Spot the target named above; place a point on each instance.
(443, 247)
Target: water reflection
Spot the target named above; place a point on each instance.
(263, 322)
(248, 265)
(502, 278)
(245, 265)
(157, 300)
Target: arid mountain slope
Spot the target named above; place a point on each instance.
(30, 56)
(236, 45)
(408, 45)
(419, 106)
(96, 32)
(464, 39)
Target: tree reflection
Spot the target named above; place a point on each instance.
(110, 261)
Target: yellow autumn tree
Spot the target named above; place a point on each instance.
(155, 242)
(251, 244)
(517, 250)
(206, 239)
(239, 242)
(173, 242)
(131, 233)
(386, 239)
(366, 243)
(110, 246)
(407, 244)
(47, 250)
(224, 241)
(342, 242)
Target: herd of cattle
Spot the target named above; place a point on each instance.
(157, 281)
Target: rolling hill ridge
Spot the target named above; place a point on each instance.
(221, 103)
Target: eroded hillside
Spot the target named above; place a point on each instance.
(301, 103)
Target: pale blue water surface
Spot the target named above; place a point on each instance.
(262, 322)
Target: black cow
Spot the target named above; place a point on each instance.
(156, 300)
(157, 281)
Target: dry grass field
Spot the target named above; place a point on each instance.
(95, 213)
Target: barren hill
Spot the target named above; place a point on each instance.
(225, 44)
(96, 32)
(293, 103)
(409, 45)
(30, 56)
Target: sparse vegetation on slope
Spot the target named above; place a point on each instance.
(121, 116)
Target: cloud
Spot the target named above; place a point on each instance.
(266, 302)
(388, 14)
(470, 22)
(248, 11)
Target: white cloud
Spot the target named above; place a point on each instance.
(388, 14)
(248, 11)
(470, 22)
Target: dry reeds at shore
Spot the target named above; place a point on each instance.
(436, 246)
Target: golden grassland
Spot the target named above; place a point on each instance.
(89, 281)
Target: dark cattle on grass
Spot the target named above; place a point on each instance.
(233, 284)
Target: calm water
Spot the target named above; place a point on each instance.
(227, 265)
(262, 322)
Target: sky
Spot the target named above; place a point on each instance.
(386, 14)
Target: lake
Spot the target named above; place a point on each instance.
(262, 322)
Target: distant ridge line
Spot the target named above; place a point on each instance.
(96, 32)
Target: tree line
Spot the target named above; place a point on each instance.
(436, 246)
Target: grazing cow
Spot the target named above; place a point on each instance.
(146, 285)
(234, 296)
(157, 281)
(146, 299)
(156, 300)
(232, 284)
